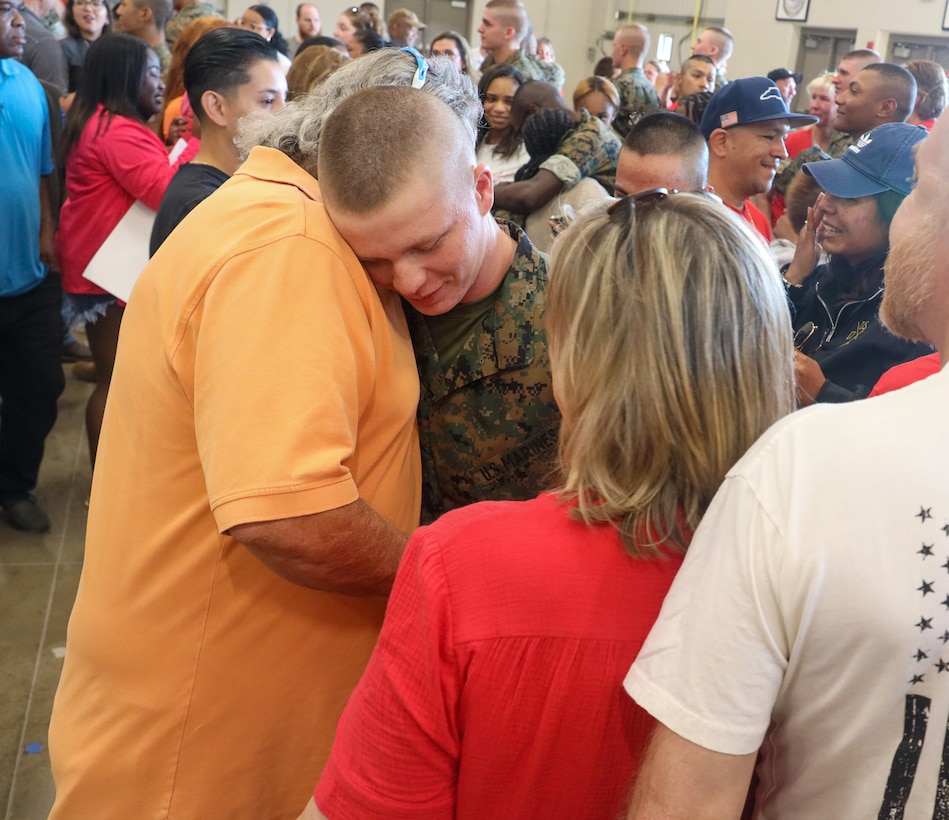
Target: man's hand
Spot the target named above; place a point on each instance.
(47, 236)
(808, 379)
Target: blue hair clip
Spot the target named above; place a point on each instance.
(421, 71)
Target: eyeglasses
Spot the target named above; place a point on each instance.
(93, 4)
(621, 210)
(805, 333)
(8, 10)
(421, 70)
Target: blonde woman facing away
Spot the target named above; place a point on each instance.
(496, 687)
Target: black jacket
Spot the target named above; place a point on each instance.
(835, 314)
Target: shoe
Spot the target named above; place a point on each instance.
(76, 351)
(85, 371)
(24, 514)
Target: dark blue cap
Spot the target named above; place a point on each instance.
(881, 160)
(747, 101)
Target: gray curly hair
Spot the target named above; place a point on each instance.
(295, 130)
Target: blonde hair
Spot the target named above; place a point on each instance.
(310, 67)
(591, 84)
(823, 82)
(670, 347)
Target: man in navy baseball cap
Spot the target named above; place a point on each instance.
(787, 82)
(745, 124)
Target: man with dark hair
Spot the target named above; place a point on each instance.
(591, 149)
(662, 150)
(31, 377)
(186, 11)
(146, 19)
(880, 93)
(228, 74)
(42, 53)
(308, 25)
(745, 124)
(400, 180)
(638, 96)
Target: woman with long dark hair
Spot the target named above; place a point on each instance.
(112, 160)
(500, 147)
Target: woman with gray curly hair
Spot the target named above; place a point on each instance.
(296, 129)
(496, 687)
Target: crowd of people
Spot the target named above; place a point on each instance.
(645, 581)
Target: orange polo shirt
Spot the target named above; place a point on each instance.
(260, 376)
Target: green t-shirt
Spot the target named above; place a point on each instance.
(451, 330)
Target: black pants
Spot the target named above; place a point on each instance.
(31, 379)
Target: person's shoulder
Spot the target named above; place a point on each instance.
(817, 442)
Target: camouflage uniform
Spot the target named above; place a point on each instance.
(839, 143)
(637, 96)
(164, 58)
(533, 69)
(188, 14)
(488, 421)
(591, 149)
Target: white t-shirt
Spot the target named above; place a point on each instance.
(502, 168)
(811, 615)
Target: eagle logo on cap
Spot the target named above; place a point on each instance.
(772, 93)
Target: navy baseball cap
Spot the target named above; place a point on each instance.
(785, 74)
(881, 160)
(747, 101)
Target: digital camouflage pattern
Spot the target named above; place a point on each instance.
(488, 422)
(179, 21)
(533, 69)
(789, 168)
(591, 149)
(637, 96)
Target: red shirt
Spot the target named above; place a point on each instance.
(106, 171)
(752, 214)
(799, 140)
(496, 687)
(906, 373)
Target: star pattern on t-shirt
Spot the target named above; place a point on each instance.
(932, 622)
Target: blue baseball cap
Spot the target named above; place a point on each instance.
(881, 160)
(747, 101)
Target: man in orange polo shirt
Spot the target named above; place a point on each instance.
(258, 472)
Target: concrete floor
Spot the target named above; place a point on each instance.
(38, 578)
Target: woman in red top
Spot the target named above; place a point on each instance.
(824, 107)
(112, 159)
(496, 687)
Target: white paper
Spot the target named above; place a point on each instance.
(177, 151)
(124, 254)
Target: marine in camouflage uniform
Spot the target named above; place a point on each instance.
(789, 168)
(188, 14)
(591, 149)
(533, 69)
(488, 421)
(637, 95)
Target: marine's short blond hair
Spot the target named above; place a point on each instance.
(377, 139)
(511, 13)
(670, 346)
